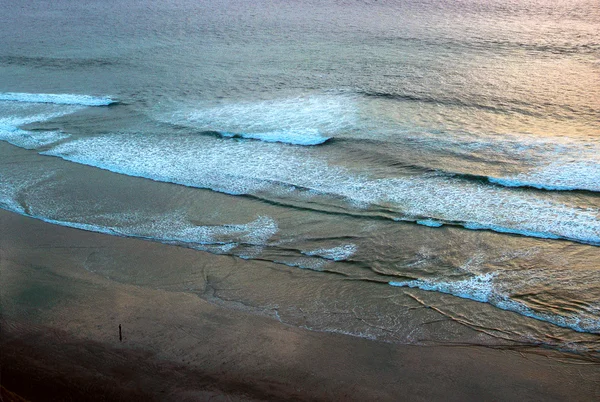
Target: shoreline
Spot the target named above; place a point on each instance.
(60, 337)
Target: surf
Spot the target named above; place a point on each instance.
(270, 171)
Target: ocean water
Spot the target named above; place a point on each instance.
(443, 153)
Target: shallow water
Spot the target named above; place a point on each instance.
(447, 148)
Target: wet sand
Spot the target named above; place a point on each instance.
(60, 338)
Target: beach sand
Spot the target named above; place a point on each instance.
(60, 338)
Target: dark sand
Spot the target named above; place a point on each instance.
(60, 339)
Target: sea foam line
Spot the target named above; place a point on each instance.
(254, 235)
(58, 99)
(480, 288)
(592, 241)
(30, 139)
(339, 253)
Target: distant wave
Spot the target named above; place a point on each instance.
(492, 105)
(481, 288)
(57, 63)
(57, 99)
(498, 105)
(498, 45)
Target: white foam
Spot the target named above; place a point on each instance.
(309, 120)
(481, 288)
(58, 99)
(12, 189)
(12, 116)
(339, 253)
(247, 239)
(31, 116)
(267, 169)
(430, 222)
(223, 166)
(10, 204)
(305, 263)
(476, 206)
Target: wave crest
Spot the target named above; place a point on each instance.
(57, 99)
(293, 137)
